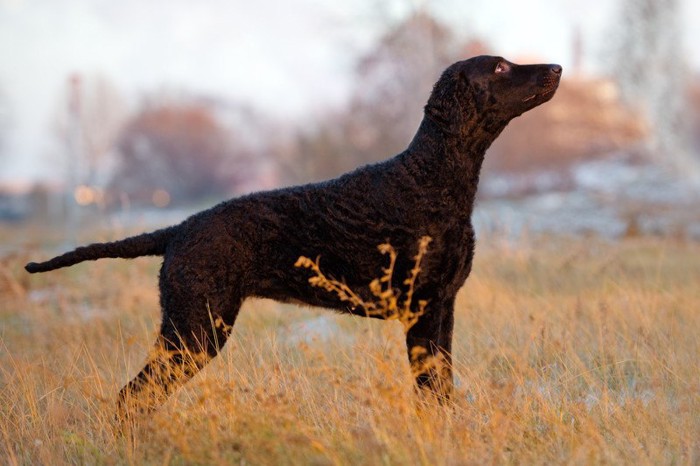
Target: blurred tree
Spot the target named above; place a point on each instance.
(90, 116)
(695, 114)
(4, 121)
(651, 70)
(177, 151)
(393, 81)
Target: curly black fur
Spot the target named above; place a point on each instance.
(247, 247)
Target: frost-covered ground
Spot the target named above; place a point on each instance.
(611, 197)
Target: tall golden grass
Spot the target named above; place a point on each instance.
(576, 351)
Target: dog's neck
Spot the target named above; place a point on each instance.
(450, 156)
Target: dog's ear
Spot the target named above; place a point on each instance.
(479, 96)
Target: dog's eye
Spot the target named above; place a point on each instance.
(502, 67)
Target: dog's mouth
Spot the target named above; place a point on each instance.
(549, 90)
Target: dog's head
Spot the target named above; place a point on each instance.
(491, 90)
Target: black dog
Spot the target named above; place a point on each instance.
(248, 247)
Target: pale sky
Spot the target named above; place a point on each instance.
(291, 58)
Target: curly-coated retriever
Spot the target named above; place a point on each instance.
(248, 246)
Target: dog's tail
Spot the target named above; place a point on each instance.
(146, 244)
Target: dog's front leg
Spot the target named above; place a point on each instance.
(429, 343)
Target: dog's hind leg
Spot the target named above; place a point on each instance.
(194, 329)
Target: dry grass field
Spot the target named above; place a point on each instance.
(567, 351)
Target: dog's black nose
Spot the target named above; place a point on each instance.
(556, 69)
